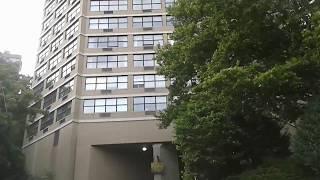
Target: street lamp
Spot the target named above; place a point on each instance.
(144, 148)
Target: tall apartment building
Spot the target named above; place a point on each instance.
(11, 58)
(96, 76)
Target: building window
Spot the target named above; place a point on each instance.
(73, 13)
(51, 80)
(32, 130)
(107, 83)
(157, 103)
(95, 62)
(59, 25)
(64, 111)
(108, 42)
(67, 69)
(146, 4)
(38, 89)
(48, 22)
(49, 99)
(65, 89)
(149, 81)
(144, 60)
(47, 121)
(147, 40)
(72, 1)
(43, 55)
(108, 5)
(55, 60)
(105, 105)
(150, 21)
(70, 48)
(56, 43)
(108, 23)
(169, 21)
(169, 3)
(41, 71)
(45, 39)
(61, 9)
(72, 30)
(49, 9)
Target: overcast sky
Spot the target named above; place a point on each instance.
(20, 30)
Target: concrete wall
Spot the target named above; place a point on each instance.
(75, 158)
(108, 133)
(44, 157)
(120, 164)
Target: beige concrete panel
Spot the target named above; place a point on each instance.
(43, 158)
(123, 132)
(77, 109)
(90, 134)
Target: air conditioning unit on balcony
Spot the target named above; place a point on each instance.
(108, 12)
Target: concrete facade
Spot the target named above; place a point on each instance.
(94, 131)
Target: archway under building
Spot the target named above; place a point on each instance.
(132, 162)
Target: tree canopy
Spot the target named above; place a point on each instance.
(15, 96)
(306, 142)
(241, 71)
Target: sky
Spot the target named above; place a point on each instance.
(20, 30)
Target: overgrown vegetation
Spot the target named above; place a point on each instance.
(15, 96)
(306, 142)
(242, 71)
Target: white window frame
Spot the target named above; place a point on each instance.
(44, 54)
(108, 23)
(149, 103)
(106, 83)
(41, 71)
(144, 60)
(147, 21)
(72, 30)
(52, 79)
(48, 22)
(68, 68)
(73, 13)
(108, 5)
(66, 88)
(108, 42)
(49, 8)
(56, 43)
(146, 4)
(61, 9)
(148, 40)
(97, 62)
(149, 81)
(70, 48)
(55, 60)
(45, 39)
(112, 105)
(59, 25)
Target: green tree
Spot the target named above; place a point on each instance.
(306, 142)
(15, 96)
(241, 70)
(280, 169)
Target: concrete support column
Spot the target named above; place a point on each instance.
(168, 156)
(156, 154)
